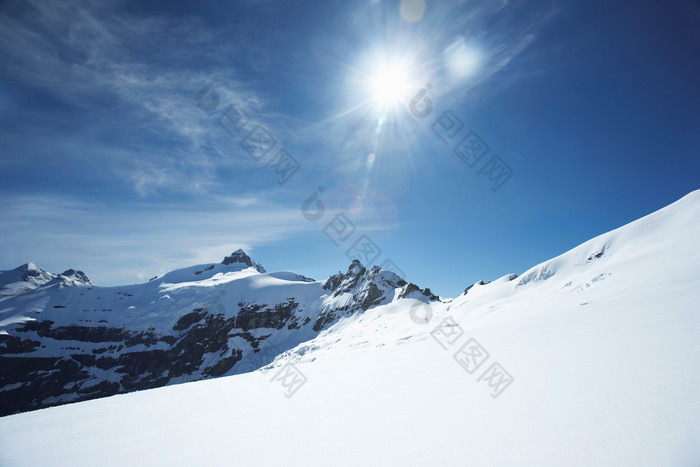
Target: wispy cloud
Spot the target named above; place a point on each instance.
(114, 245)
(126, 74)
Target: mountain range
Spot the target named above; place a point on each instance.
(64, 339)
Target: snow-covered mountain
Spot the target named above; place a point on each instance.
(591, 358)
(28, 277)
(63, 339)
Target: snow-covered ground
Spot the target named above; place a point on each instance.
(591, 358)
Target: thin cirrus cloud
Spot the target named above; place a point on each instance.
(115, 245)
(119, 76)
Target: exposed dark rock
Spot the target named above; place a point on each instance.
(239, 256)
(410, 287)
(48, 377)
(334, 281)
(477, 283)
(429, 294)
(189, 319)
(596, 255)
(73, 276)
(293, 323)
(170, 340)
(250, 317)
(372, 298)
(305, 279)
(103, 387)
(323, 320)
(16, 345)
(223, 365)
(94, 334)
(247, 336)
(206, 269)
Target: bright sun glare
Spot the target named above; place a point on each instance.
(390, 85)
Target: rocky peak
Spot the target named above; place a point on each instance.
(73, 277)
(32, 273)
(239, 256)
(368, 288)
(357, 275)
(346, 282)
(466, 291)
(30, 276)
(334, 281)
(356, 268)
(411, 290)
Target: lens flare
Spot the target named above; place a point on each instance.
(390, 85)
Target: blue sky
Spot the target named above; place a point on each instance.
(109, 163)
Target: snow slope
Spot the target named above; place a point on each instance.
(598, 364)
(28, 277)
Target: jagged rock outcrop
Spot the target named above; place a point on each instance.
(239, 256)
(357, 289)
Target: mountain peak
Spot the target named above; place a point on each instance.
(30, 271)
(28, 267)
(356, 268)
(22, 279)
(73, 277)
(240, 256)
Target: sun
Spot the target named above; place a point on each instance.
(389, 85)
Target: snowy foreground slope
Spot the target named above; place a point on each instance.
(591, 358)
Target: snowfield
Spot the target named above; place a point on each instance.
(591, 358)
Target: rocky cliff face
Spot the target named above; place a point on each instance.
(62, 339)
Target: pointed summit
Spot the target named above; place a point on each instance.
(33, 273)
(22, 279)
(356, 268)
(29, 270)
(239, 256)
(73, 277)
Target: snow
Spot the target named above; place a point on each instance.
(601, 344)
(24, 278)
(216, 279)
